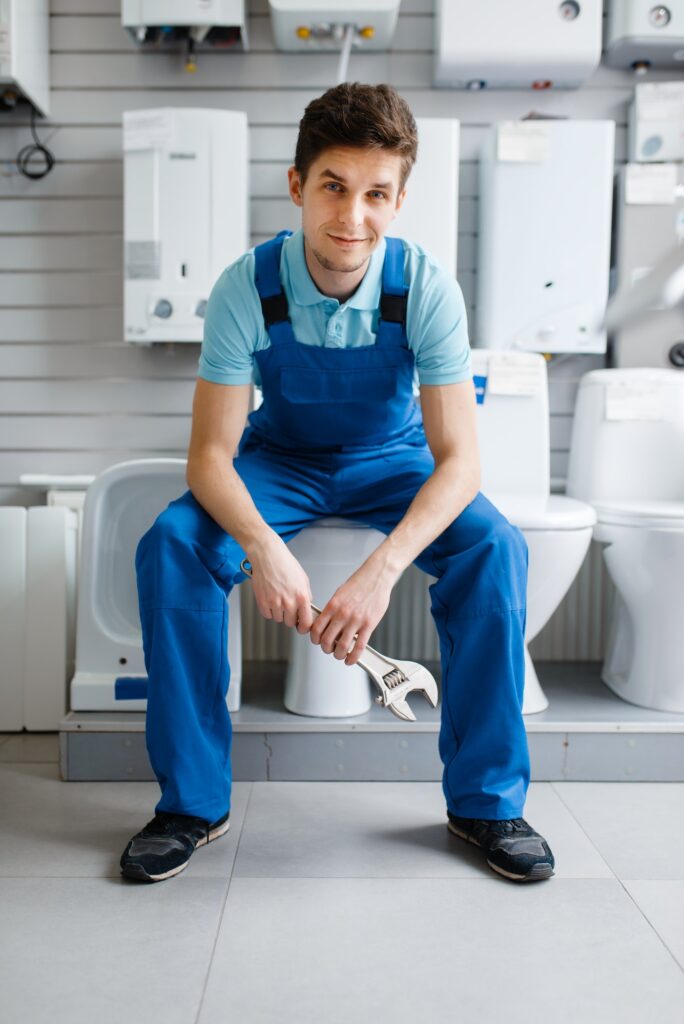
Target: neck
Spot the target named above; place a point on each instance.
(338, 284)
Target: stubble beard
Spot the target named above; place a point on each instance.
(328, 264)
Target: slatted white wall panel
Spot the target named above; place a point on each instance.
(73, 397)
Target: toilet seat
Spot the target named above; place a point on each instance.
(556, 512)
(663, 515)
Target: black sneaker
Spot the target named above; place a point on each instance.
(166, 844)
(513, 848)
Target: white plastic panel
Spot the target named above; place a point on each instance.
(429, 215)
(52, 534)
(324, 21)
(544, 235)
(185, 216)
(656, 122)
(642, 34)
(12, 607)
(499, 44)
(25, 50)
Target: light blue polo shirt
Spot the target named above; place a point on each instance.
(436, 319)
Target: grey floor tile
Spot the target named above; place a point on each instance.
(74, 951)
(663, 904)
(386, 829)
(25, 747)
(369, 949)
(79, 829)
(638, 827)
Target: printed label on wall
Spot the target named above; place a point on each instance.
(143, 261)
(650, 184)
(514, 375)
(522, 142)
(5, 42)
(625, 401)
(148, 129)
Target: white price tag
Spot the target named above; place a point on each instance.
(522, 142)
(660, 101)
(625, 401)
(650, 184)
(514, 375)
(148, 129)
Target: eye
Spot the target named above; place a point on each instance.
(332, 184)
(381, 195)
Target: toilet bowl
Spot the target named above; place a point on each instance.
(627, 459)
(513, 430)
(316, 683)
(121, 505)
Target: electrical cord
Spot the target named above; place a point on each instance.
(24, 156)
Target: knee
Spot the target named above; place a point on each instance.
(507, 558)
(164, 530)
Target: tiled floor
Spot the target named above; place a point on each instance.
(342, 903)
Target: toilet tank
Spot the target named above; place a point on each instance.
(513, 424)
(628, 436)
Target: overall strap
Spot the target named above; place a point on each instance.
(394, 296)
(267, 280)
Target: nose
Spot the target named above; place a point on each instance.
(350, 211)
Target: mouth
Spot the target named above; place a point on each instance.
(347, 243)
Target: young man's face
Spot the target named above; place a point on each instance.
(348, 201)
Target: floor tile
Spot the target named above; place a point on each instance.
(380, 829)
(663, 904)
(369, 949)
(30, 747)
(80, 829)
(638, 828)
(74, 951)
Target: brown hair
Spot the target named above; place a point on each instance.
(362, 116)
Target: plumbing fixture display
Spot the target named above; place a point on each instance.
(544, 235)
(315, 25)
(164, 24)
(25, 54)
(185, 216)
(643, 34)
(540, 44)
(656, 122)
(649, 214)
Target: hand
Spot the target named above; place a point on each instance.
(355, 609)
(281, 587)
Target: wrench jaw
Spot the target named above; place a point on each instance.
(398, 707)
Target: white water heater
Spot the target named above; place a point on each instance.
(25, 54)
(538, 44)
(642, 34)
(163, 24)
(185, 216)
(544, 235)
(315, 25)
(429, 214)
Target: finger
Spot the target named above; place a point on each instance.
(319, 626)
(345, 643)
(359, 646)
(331, 635)
(304, 616)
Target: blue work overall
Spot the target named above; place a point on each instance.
(339, 433)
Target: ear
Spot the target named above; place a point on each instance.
(400, 200)
(295, 186)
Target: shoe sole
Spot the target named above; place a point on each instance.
(138, 872)
(536, 874)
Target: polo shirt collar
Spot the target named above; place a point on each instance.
(303, 289)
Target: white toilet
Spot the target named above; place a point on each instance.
(627, 459)
(513, 427)
(513, 433)
(120, 506)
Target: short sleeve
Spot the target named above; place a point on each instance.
(231, 326)
(437, 324)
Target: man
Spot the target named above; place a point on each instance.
(323, 321)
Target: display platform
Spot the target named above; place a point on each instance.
(586, 734)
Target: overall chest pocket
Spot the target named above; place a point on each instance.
(304, 386)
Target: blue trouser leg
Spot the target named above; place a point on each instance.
(186, 567)
(478, 605)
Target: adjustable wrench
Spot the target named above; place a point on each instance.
(394, 679)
